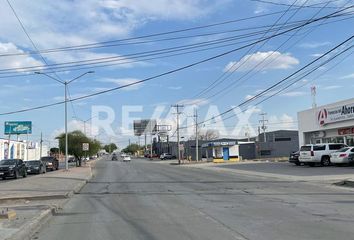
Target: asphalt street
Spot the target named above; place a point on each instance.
(291, 169)
(147, 200)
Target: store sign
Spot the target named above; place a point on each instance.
(335, 114)
(217, 144)
(346, 131)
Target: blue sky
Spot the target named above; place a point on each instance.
(68, 23)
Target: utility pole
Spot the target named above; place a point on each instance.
(40, 146)
(313, 94)
(196, 135)
(178, 108)
(264, 127)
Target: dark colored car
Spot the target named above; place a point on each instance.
(35, 167)
(114, 157)
(294, 158)
(12, 168)
(71, 159)
(166, 156)
(51, 163)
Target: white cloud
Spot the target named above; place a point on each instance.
(263, 60)
(293, 94)
(349, 76)
(74, 124)
(19, 61)
(283, 122)
(91, 20)
(314, 44)
(175, 87)
(332, 87)
(197, 101)
(248, 97)
(316, 55)
(123, 82)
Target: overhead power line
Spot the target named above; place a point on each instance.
(284, 79)
(122, 59)
(183, 68)
(100, 44)
(259, 67)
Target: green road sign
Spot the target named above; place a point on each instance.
(18, 127)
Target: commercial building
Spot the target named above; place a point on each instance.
(21, 150)
(331, 123)
(228, 150)
(273, 144)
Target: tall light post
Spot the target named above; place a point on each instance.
(85, 121)
(65, 83)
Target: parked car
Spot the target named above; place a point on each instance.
(12, 168)
(35, 167)
(165, 156)
(127, 158)
(294, 158)
(343, 156)
(151, 156)
(51, 163)
(313, 154)
(114, 157)
(71, 159)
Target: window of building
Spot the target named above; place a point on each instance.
(282, 139)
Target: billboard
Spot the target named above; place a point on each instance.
(18, 127)
(144, 126)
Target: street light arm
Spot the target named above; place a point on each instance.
(68, 82)
(55, 79)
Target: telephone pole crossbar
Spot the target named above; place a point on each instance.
(178, 108)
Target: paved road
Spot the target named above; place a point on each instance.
(146, 200)
(291, 169)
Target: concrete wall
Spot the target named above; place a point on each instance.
(279, 144)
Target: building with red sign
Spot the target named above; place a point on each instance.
(328, 123)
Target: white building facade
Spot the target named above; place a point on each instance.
(21, 150)
(331, 123)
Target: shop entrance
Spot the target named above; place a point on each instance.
(225, 153)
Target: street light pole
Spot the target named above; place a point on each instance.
(66, 125)
(65, 83)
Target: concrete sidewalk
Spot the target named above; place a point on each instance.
(35, 199)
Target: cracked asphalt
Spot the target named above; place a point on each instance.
(146, 200)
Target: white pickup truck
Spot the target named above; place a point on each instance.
(313, 154)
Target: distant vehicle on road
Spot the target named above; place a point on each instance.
(12, 168)
(165, 156)
(313, 154)
(343, 156)
(114, 157)
(35, 167)
(127, 158)
(51, 163)
(148, 155)
(294, 158)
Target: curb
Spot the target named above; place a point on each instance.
(26, 231)
(36, 198)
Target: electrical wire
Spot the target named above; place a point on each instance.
(186, 67)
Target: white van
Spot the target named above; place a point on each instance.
(318, 153)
